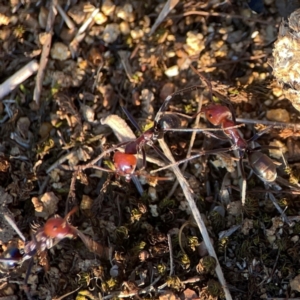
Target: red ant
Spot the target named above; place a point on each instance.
(125, 162)
(54, 230)
(260, 163)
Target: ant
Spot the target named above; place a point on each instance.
(261, 164)
(45, 237)
(125, 163)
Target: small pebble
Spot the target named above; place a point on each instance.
(172, 71)
(277, 153)
(111, 33)
(125, 13)
(100, 18)
(295, 238)
(278, 115)
(60, 51)
(124, 28)
(108, 7)
(137, 33)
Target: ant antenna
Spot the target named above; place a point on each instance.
(12, 223)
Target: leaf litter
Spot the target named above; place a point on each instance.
(65, 68)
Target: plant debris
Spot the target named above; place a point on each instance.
(95, 97)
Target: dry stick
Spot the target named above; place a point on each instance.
(65, 17)
(224, 15)
(171, 254)
(68, 294)
(45, 53)
(269, 123)
(192, 140)
(203, 130)
(12, 82)
(198, 219)
(170, 4)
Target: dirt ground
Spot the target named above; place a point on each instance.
(66, 70)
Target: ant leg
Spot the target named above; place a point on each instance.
(200, 153)
(131, 119)
(138, 185)
(258, 134)
(25, 286)
(265, 147)
(168, 99)
(243, 182)
(161, 154)
(12, 223)
(144, 159)
(274, 201)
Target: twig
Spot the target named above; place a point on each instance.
(65, 17)
(192, 140)
(283, 215)
(81, 33)
(170, 4)
(269, 123)
(200, 153)
(224, 15)
(198, 130)
(143, 291)
(198, 219)
(45, 52)
(171, 254)
(20, 76)
(68, 294)
(60, 161)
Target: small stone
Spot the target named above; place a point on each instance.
(295, 238)
(172, 71)
(108, 7)
(194, 43)
(46, 205)
(277, 153)
(77, 13)
(247, 226)
(45, 129)
(278, 115)
(295, 284)
(100, 18)
(144, 255)
(111, 33)
(234, 208)
(152, 193)
(43, 15)
(125, 13)
(86, 202)
(124, 28)
(87, 112)
(166, 90)
(60, 51)
(153, 209)
(137, 33)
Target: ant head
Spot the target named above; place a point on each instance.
(216, 114)
(125, 164)
(58, 228)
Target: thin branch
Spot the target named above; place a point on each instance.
(45, 53)
(192, 140)
(171, 254)
(20, 76)
(198, 219)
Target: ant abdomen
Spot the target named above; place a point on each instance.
(11, 253)
(263, 166)
(169, 121)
